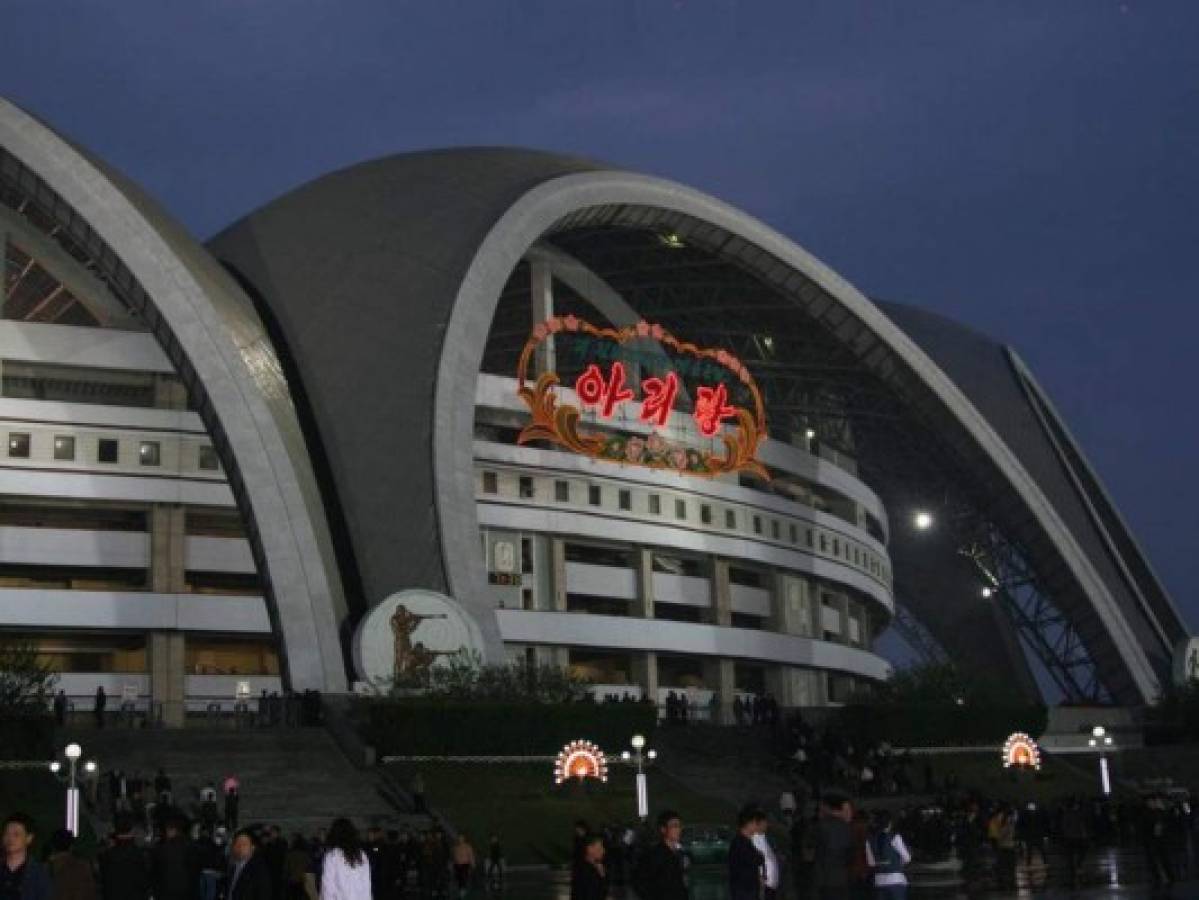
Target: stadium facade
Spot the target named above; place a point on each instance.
(613, 423)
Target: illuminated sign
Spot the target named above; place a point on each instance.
(580, 759)
(646, 369)
(1021, 752)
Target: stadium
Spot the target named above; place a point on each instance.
(532, 406)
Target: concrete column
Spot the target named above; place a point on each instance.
(645, 584)
(541, 294)
(169, 393)
(720, 676)
(168, 544)
(722, 595)
(558, 574)
(165, 652)
(645, 673)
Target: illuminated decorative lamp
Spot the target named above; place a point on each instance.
(582, 760)
(1021, 752)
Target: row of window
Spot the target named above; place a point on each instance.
(107, 451)
(797, 534)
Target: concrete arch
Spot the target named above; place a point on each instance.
(208, 328)
(536, 212)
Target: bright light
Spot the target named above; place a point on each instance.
(55, 766)
(638, 741)
(1107, 741)
(73, 751)
(626, 756)
(653, 754)
(810, 434)
(672, 240)
(90, 766)
(923, 520)
(987, 592)
(1098, 731)
(1091, 742)
(1104, 776)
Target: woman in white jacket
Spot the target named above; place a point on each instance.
(346, 872)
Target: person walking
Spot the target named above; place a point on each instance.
(495, 863)
(21, 876)
(747, 866)
(248, 877)
(588, 877)
(834, 848)
(99, 705)
(124, 866)
(887, 854)
(346, 873)
(176, 864)
(462, 857)
(70, 875)
(771, 870)
(232, 804)
(60, 708)
(662, 870)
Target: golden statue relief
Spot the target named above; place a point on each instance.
(412, 658)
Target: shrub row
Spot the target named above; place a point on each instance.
(934, 725)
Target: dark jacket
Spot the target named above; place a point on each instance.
(124, 872)
(834, 852)
(586, 882)
(746, 864)
(661, 874)
(35, 880)
(255, 881)
(72, 878)
(176, 870)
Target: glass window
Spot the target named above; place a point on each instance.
(680, 509)
(526, 487)
(705, 514)
(64, 447)
(491, 484)
(593, 494)
(809, 539)
(794, 533)
(625, 499)
(730, 518)
(149, 453)
(107, 450)
(562, 491)
(774, 528)
(18, 445)
(655, 504)
(757, 524)
(209, 461)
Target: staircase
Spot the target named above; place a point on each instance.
(296, 778)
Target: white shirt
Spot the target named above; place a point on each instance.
(772, 861)
(882, 879)
(341, 881)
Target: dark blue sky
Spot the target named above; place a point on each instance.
(1031, 169)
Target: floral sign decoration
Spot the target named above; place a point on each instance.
(724, 398)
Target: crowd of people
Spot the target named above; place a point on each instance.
(290, 709)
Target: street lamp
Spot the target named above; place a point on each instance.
(72, 752)
(1100, 740)
(923, 520)
(640, 754)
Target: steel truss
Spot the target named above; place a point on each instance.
(916, 636)
(1043, 628)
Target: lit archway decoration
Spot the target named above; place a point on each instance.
(723, 388)
(1021, 752)
(580, 759)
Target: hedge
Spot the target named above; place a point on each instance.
(940, 725)
(26, 737)
(442, 727)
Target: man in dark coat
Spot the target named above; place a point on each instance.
(248, 877)
(662, 870)
(72, 876)
(176, 864)
(834, 848)
(124, 866)
(746, 862)
(21, 876)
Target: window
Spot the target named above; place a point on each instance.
(107, 450)
(18, 445)
(625, 499)
(774, 528)
(526, 487)
(562, 491)
(757, 524)
(794, 533)
(836, 546)
(680, 509)
(149, 453)
(809, 539)
(593, 494)
(64, 447)
(209, 461)
(526, 554)
(730, 518)
(655, 504)
(705, 514)
(823, 543)
(490, 483)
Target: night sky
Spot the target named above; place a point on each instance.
(1030, 169)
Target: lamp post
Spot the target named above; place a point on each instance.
(1100, 740)
(73, 752)
(640, 755)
